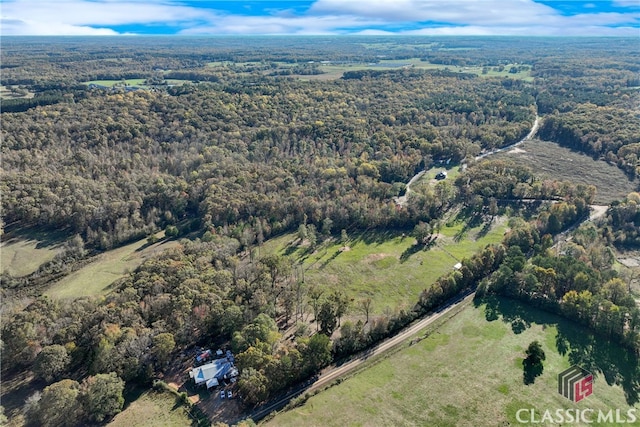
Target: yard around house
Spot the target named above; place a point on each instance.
(467, 371)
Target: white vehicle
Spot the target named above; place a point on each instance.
(221, 394)
(229, 394)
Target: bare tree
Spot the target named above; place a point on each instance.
(365, 305)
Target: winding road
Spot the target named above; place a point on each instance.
(335, 372)
(402, 200)
(531, 134)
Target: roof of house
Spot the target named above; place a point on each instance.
(219, 369)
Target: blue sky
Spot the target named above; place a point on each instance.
(307, 17)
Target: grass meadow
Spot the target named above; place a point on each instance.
(385, 266)
(23, 251)
(95, 278)
(335, 71)
(468, 371)
(10, 93)
(111, 83)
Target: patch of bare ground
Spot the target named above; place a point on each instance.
(375, 257)
(516, 150)
(630, 262)
(597, 211)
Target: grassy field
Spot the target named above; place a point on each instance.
(22, 252)
(134, 82)
(385, 266)
(95, 278)
(549, 160)
(153, 409)
(523, 75)
(111, 83)
(468, 372)
(334, 71)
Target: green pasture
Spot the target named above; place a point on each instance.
(336, 70)
(385, 266)
(22, 252)
(111, 83)
(95, 278)
(153, 409)
(469, 372)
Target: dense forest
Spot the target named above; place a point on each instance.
(214, 154)
(245, 148)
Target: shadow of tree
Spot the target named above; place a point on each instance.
(290, 249)
(604, 358)
(486, 227)
(331, 258)
(415, 248)
(411, 250)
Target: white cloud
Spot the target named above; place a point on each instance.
(301, 25)
(469, 12)
(525, 31)
(452, 17)
(75, 17)
(19, 27)
(627, 3)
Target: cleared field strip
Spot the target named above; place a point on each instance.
(95, 278)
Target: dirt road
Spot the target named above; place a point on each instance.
(531, 134)
(333, 372)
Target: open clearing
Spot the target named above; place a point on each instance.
(551, 161)
(134, 82)
(153, 409)
(336, 70)
(385, 267)
(468, 372)
(11, 93)
(23, 251)
(111, 83)
(95, 278)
